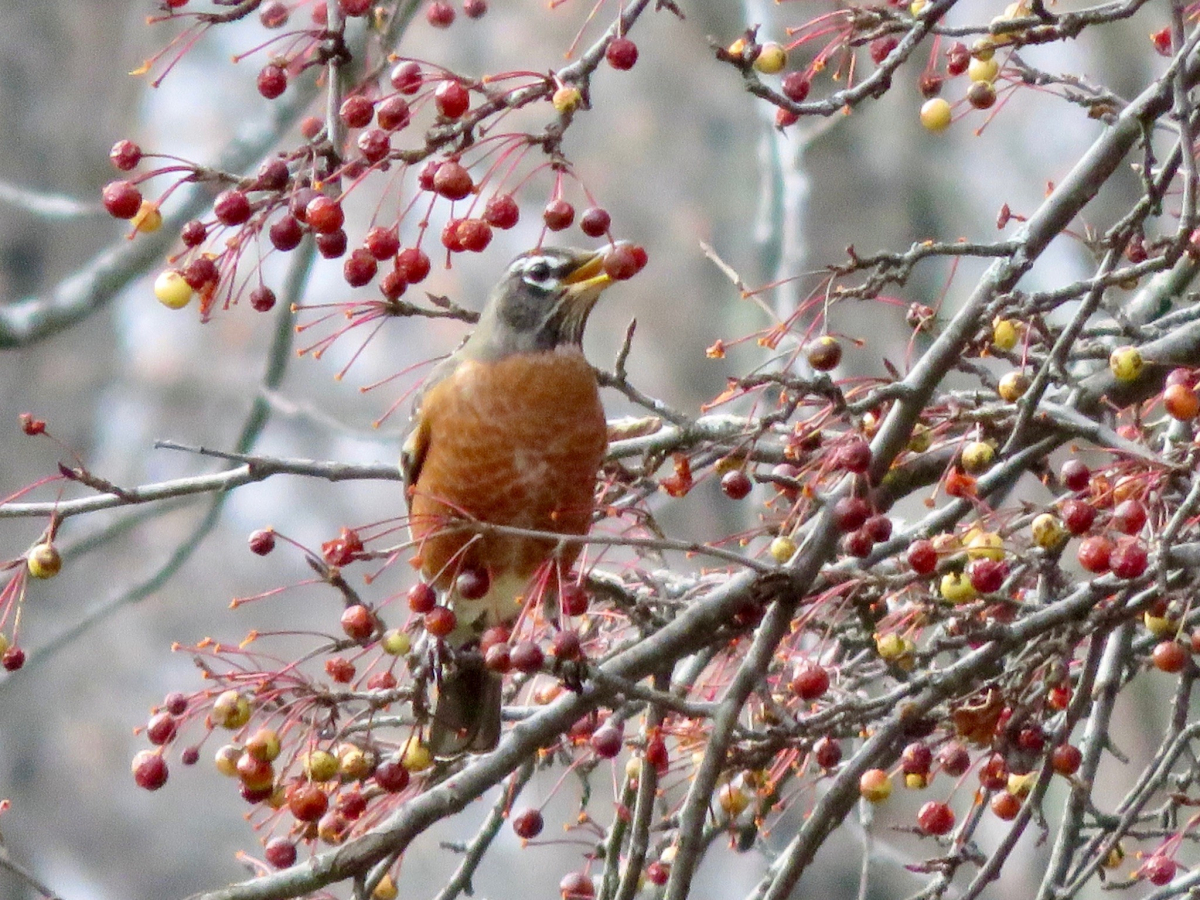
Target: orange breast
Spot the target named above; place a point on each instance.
(515, 442)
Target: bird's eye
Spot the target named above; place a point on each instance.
(538, 273)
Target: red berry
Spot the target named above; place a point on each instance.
(440, 621)
(413, 265)
(1159, 869)
(558, 214)
(475, 9)
(621, 53)
(854, 456)
(450, 236)
(594, 222)
(954, 759)
(881, 47)
(528, 824)
(200, 272)
(232, 207)
(501, 211)
(451, 99)
(1077, 515)
(161, 728)
(526, 657)
(285, 234)
(272, 175)
(272, 81)
(1066, 759)
(1161, 40)
(849, 513)
(473, 584)
(393, 113)
(357, 111)
(307, 802)
(573, 598)
(1129, 558)
(324, 214)
(498, 658)
(340, 669)
(935, 817)
(916, 759)
(736, 484)
(374, 144)
(656, 754)
(987, 575)
(1129, 516)
(827, 752)
(824, 353)
(785, 118)
(621, 262)
(958, 58)
(810, 682)
(176, 703)
(122, 199)
(357, 622)
(382, 243)
(359, 268)
(332, 245)
(273, 14)
(606, 741)
(858, 544)
(391, 775)
(993, 774)
(12, 659)
(878, 528)
(1075, 475)
(392, 285)
(439, 14)
(795, 86)
(922, 557)
(149, 770)
(657, 874)
(474, 235)
(406, 77)
(452, 181)
(1006, 806)
(193, 233)
(1169, 656)
(1094, 554)
(566, 645)
(576, 886)
(280, 853)
(125, 155)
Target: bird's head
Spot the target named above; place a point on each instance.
(542, 302)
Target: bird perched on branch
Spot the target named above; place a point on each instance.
(508, 431)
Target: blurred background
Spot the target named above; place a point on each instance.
(676, 151)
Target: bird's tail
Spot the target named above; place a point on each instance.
(466, 716)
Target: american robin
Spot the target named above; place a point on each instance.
(508, 431)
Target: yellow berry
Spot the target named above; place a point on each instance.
(916, 781)
(1048, 532)
(415, 755)
(737, 48)
(875, 785)
(172, 290)
(985, 545)
(264, 744)
(1021, 785)
(920, 439)
(978, 456)
(148, 219)
(892, 647)
(226, 760)
(935, 114)
(1126, 363)
(386, 889)
(231, 710)
(319, 765)
(1006, 333)
(733, 799)
(4, 645)
(984, 48)
(782, 549)
(956, 587)
(567, 99)
(1013, 385)
(1160, 626)
(1115, 857)
(353, 763)
(396, 643)
(43, 561)
(771, 58)
(983, 69)
(917, 7)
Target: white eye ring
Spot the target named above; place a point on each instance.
(538, 272)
